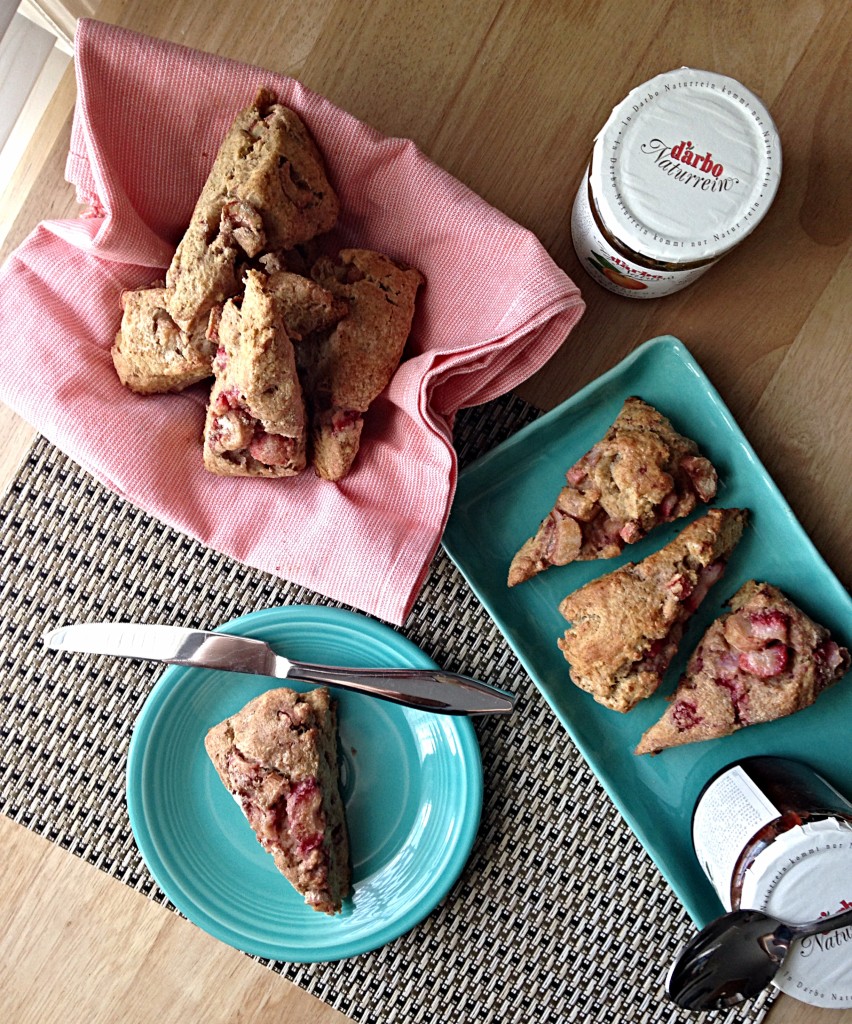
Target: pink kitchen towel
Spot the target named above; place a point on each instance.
(149, 119)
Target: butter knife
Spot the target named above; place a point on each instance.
(424, 689)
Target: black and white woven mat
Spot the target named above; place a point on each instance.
(559, 915)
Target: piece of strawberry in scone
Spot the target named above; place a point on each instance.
(278, 758)
(626, 626)
(255, 422)
(640, 474)
(762, 660)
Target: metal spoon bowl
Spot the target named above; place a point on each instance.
(737, 956)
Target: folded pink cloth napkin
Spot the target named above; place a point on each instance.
(149, 118)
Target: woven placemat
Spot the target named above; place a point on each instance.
(559, 914)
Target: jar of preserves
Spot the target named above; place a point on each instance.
(686, 166)
(773, 835)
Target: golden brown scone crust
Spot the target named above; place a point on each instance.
(762, 660)
(641, 473)
(351, 366)
(255, 422)
(626, 626)
(151, 354)
(267, 190)
(278, 757)
(285, 178)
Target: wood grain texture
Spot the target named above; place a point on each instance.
(22, 206)
(506, 95)
(24, 49)
(77, 946)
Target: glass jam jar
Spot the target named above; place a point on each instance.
(773, 835)
(686, 166)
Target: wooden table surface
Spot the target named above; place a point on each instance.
(507, 96)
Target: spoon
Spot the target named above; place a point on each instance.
(736, 956)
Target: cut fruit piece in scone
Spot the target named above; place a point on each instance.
(151, 354)
(255, 422)
(278, 757)
(349, 367)
(762, 660)
(626, 626)
(267, 190)
(641, 473)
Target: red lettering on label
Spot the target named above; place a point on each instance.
(685, 152)
(844, 905)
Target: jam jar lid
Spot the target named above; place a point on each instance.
(686, 166)
(805, 874)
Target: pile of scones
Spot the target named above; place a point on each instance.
(299, 342)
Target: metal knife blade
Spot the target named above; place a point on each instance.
(425, 689)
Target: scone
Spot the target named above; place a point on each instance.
(641, 473)
(626, 626)
(255, 423)
(349, 367)
(267, 190)
(305, 306)
(297, 260)
(762, 660)
(151, 354)
(278, 757)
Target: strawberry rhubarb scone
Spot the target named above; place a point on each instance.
(304, 306)
(151, 354)
(267, 190)
(255, 422)
(278, 758)
(350, 366)
(762, 660)
(626, 626)
(641, 473)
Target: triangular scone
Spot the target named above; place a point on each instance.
(627, 625)
(255, 422)
(267, 190)
(278, 757)
(152, 355)
(641, 473)
(762, 660)
(349, 367)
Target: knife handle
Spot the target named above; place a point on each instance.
(426, 689)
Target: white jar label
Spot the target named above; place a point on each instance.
(731, 810)
(616, 272)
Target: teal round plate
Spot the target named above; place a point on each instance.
(411, 784)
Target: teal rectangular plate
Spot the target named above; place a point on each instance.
(499, 503)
